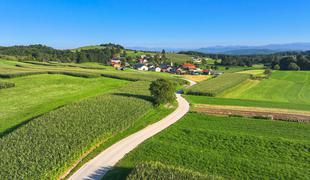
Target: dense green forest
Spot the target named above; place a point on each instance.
(44, 53)
(283, 61)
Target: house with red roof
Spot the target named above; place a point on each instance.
(188, 66)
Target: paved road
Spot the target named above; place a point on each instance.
(98, 166)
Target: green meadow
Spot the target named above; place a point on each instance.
(281, 86)
(38, 94)
(225, 147)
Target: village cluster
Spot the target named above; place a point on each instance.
(143, 64)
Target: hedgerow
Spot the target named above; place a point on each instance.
(4, 85)
(48, 145)
(157, 170)
(218, 84)
(69, 73)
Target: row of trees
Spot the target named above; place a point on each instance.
(282, 61)
(44, 53)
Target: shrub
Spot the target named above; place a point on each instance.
(163, 91)
(276, 67)
(20, 74)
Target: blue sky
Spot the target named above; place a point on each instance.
(154, 23)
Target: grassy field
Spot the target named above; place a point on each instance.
(218, 84)
(232, 69)
(87, 48)
(231, 148)
(244, 102)
(282, 86)
(57, 139)
(178, 58)
(38, 94)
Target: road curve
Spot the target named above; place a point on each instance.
(96, 168)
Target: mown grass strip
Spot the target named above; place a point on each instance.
(244, 102)
(218, 84)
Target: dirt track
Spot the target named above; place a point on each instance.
(271, 113)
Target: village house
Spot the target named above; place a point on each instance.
(188, 66)
(165, 68)
(116, 63)
(140, 67)
(206, 72)
(156, 69)
(142, 60)
(177, 70)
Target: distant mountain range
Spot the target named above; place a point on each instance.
(240, 50)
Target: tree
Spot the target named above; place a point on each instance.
(163, 52)
(285, 62)
(124, 54)
(293, 66)
(204, 62)
(163, 56)
(163, 91)
(276, 67)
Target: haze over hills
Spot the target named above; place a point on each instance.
(237, 50)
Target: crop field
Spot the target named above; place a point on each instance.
(218, 84)
(281, 86)
(37, 94)
(197, 78)
(48, 145)
(229, 148)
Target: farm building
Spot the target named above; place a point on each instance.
(141, 67)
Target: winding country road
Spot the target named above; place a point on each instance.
(96, 168)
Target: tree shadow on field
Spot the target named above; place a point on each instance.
(117, 173)
(139, 96)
